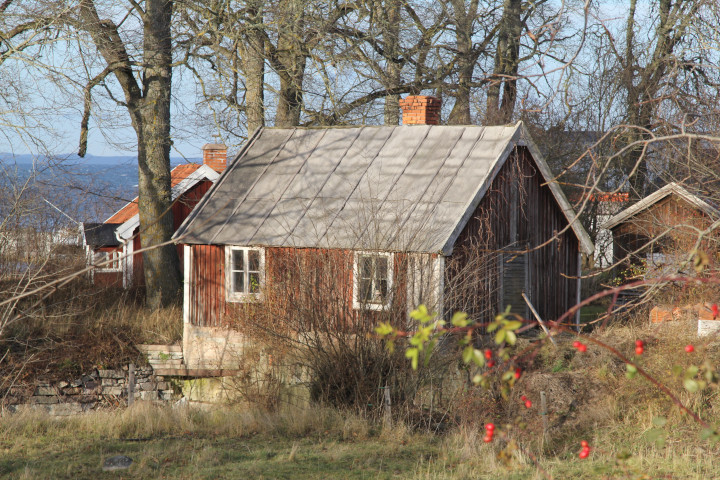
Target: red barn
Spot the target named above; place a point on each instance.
(358, 220)
(110, 245)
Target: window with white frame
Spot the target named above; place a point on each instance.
(108, 261)
(372, 282)
(244, 273)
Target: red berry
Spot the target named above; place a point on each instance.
(584, 444)
(488, 354)
(714, 309)
(490, 427)
(689, 348)
(639, 350)
(491, 363)
(487, 438)
(576, 344)
(584, 453)
(528, 404)
(582, 348)
(523, 398)
(518, 372)
(639, 343)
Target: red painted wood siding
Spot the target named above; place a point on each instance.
(303, 287)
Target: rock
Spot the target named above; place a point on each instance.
(46, 391)
(111, 374)
(151, 396)
(147, 386)
(112, 391)
(64, 409)
(163, 386)
(43, 400)
(166, 394)
(72, 391)
(108, 381)
(62, 384)
(118, 462)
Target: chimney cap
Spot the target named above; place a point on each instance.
(214, 146)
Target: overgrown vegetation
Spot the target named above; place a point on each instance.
(589, 397)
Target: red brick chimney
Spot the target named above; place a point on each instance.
(215, 156)
(420, 110)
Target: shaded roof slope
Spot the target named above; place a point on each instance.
(177, 175)
(405, 188)
(669, 189)
(100, 234)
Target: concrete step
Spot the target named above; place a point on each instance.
(167, 361)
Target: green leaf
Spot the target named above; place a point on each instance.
(459, 319)
(513, 325)
(510, 337)
(492, 327)
(477, 379)
(691, 371)
(412, 354)
(631, 371)
(691, 385)
(507, 376)
(384, 329)
(677, 370)
(659, 421)
(707, 433)
(478, 358)
(500, 336)
(467, 354)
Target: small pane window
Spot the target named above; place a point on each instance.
(373, 278)
(245, 273)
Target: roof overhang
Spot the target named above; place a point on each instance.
(652, 199)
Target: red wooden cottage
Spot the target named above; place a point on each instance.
(376, 220)
(111, 244)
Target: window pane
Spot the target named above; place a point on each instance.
(382, 287)
(381, 268)
(365, 290)
(253, 260)
(365, 267)
(254, 282)
(238, 282)
(238, 260)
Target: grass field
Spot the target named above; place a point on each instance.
(312, 444)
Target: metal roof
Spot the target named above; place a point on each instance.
(100, 234)
(669, 189)
(404, 188)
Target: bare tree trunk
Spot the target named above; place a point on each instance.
(500, 109)
(464, 19)
(389, 13)
(149, 109)
(292, 57)
(252, 52)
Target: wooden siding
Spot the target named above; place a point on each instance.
(672, 224)
(306, 289)
(516, 216)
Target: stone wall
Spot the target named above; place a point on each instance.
(96, 390)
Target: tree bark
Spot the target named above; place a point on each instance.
(389, 14)
(149, 109)
(252, 52)
(500, 109)
(292, 58)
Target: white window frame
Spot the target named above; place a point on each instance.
(114, 261)
(243, 297)
(359, 305)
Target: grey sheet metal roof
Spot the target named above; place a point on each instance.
(100, 234)
(669, 189)
(405, 188)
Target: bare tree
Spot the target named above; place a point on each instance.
(146, 86)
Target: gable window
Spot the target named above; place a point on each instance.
(372, 281)
(244, 273)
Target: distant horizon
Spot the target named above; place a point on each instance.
(28, 158)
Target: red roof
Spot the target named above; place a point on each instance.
(178, 174)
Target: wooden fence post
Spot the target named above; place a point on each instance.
(543, 413)
(388, 406)
(131, 384)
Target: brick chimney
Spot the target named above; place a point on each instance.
(420, 110)
(215, 156)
